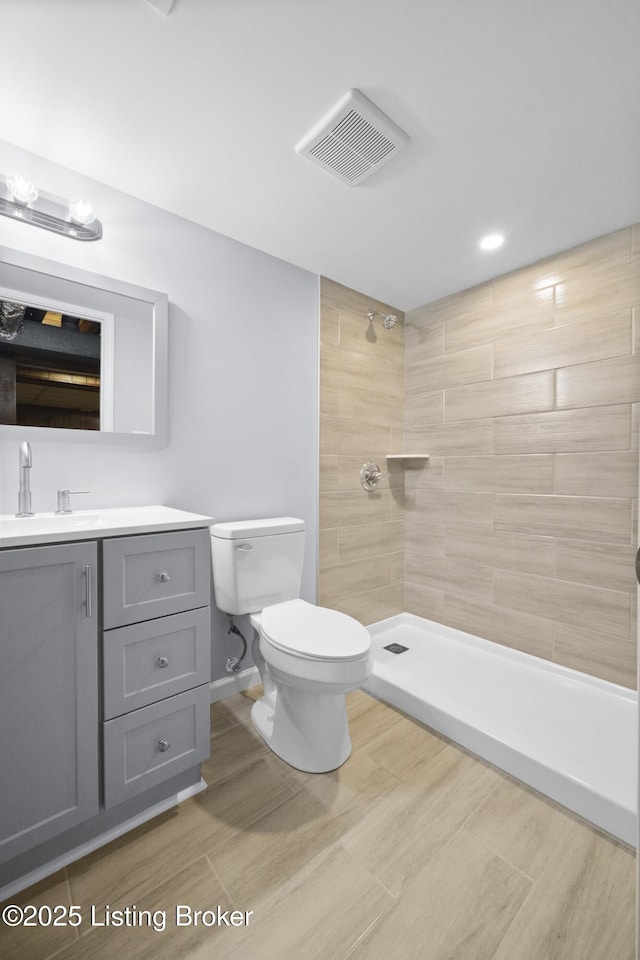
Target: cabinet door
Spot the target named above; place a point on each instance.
(48, 693)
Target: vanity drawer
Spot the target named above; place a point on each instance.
(146, 662)
(155, 575)
(147, 746)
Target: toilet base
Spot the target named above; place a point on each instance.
(307, 731)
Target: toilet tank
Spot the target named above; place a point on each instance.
(256, 563)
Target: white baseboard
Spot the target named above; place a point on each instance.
(221, 689)
(84, 848)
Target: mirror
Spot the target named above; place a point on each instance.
(53, 368)
(82, 357)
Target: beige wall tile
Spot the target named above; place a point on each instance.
(461, 438)
(502, 549)
(598, 654)
(462, 577)
(329, 322)
(423, 340)
(425, 408)
(554, 269)
(347, 437)
(519, 314)
(328, 552)
(427, 474)
(357, 576)
(475, 301)
(593, 291)
(424, 601)
(532, 474)
(529, 393)
(422, 537)
(564, 431)
(329, 473)
(339, 509)
(608, 565)
(520, 631)
(561, 346)
(466, 366)
(596, 384)
(442, 506)
(338, 365)
(358, 403)
(606, 611)
(573, 518)
(362, 541)
(372, 605)
(610, 474)
(344, 298)
(329, 400)
(635, 240)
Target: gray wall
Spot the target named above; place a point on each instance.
(243, 373)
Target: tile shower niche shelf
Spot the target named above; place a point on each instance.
(411, 457)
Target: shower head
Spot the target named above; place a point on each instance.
(388, 319)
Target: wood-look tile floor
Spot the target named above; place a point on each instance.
(413, 849)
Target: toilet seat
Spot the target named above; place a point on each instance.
(303, 630)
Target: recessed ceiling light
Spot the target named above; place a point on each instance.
(492, 241)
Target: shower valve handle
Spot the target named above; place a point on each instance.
(370, 475)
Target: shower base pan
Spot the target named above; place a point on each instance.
(568, 735)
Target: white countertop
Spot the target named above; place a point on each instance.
(90, 524)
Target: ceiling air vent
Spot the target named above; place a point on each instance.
(354, 140)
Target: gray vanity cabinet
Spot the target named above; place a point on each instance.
(49, 722)
(156, 654)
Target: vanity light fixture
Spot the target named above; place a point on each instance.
(492, 241)
(20, 199)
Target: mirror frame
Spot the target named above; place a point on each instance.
(159, 319)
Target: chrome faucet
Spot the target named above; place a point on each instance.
(24, 496)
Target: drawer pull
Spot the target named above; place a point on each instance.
(163, 577)
(162, 662)
(163, 745)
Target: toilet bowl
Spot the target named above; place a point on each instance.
(308, 657)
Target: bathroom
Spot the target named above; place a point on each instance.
(248, 335)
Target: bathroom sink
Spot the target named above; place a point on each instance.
(86, 524)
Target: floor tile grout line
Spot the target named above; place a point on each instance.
(207, 857)
(495, 853)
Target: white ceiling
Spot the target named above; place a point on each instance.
(524, 117)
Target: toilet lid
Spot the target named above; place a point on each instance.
(318, 633)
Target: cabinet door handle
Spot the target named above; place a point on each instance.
(163, 745)
(87, 590)
(162, 661)
(163, 577)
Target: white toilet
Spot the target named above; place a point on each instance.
(308, 656)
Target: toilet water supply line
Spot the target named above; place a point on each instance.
(233, 663)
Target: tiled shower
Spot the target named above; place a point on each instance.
(521, 527)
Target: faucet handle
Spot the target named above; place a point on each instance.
(63, 499)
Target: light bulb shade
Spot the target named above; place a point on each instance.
(21, 189)
(81, 211)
